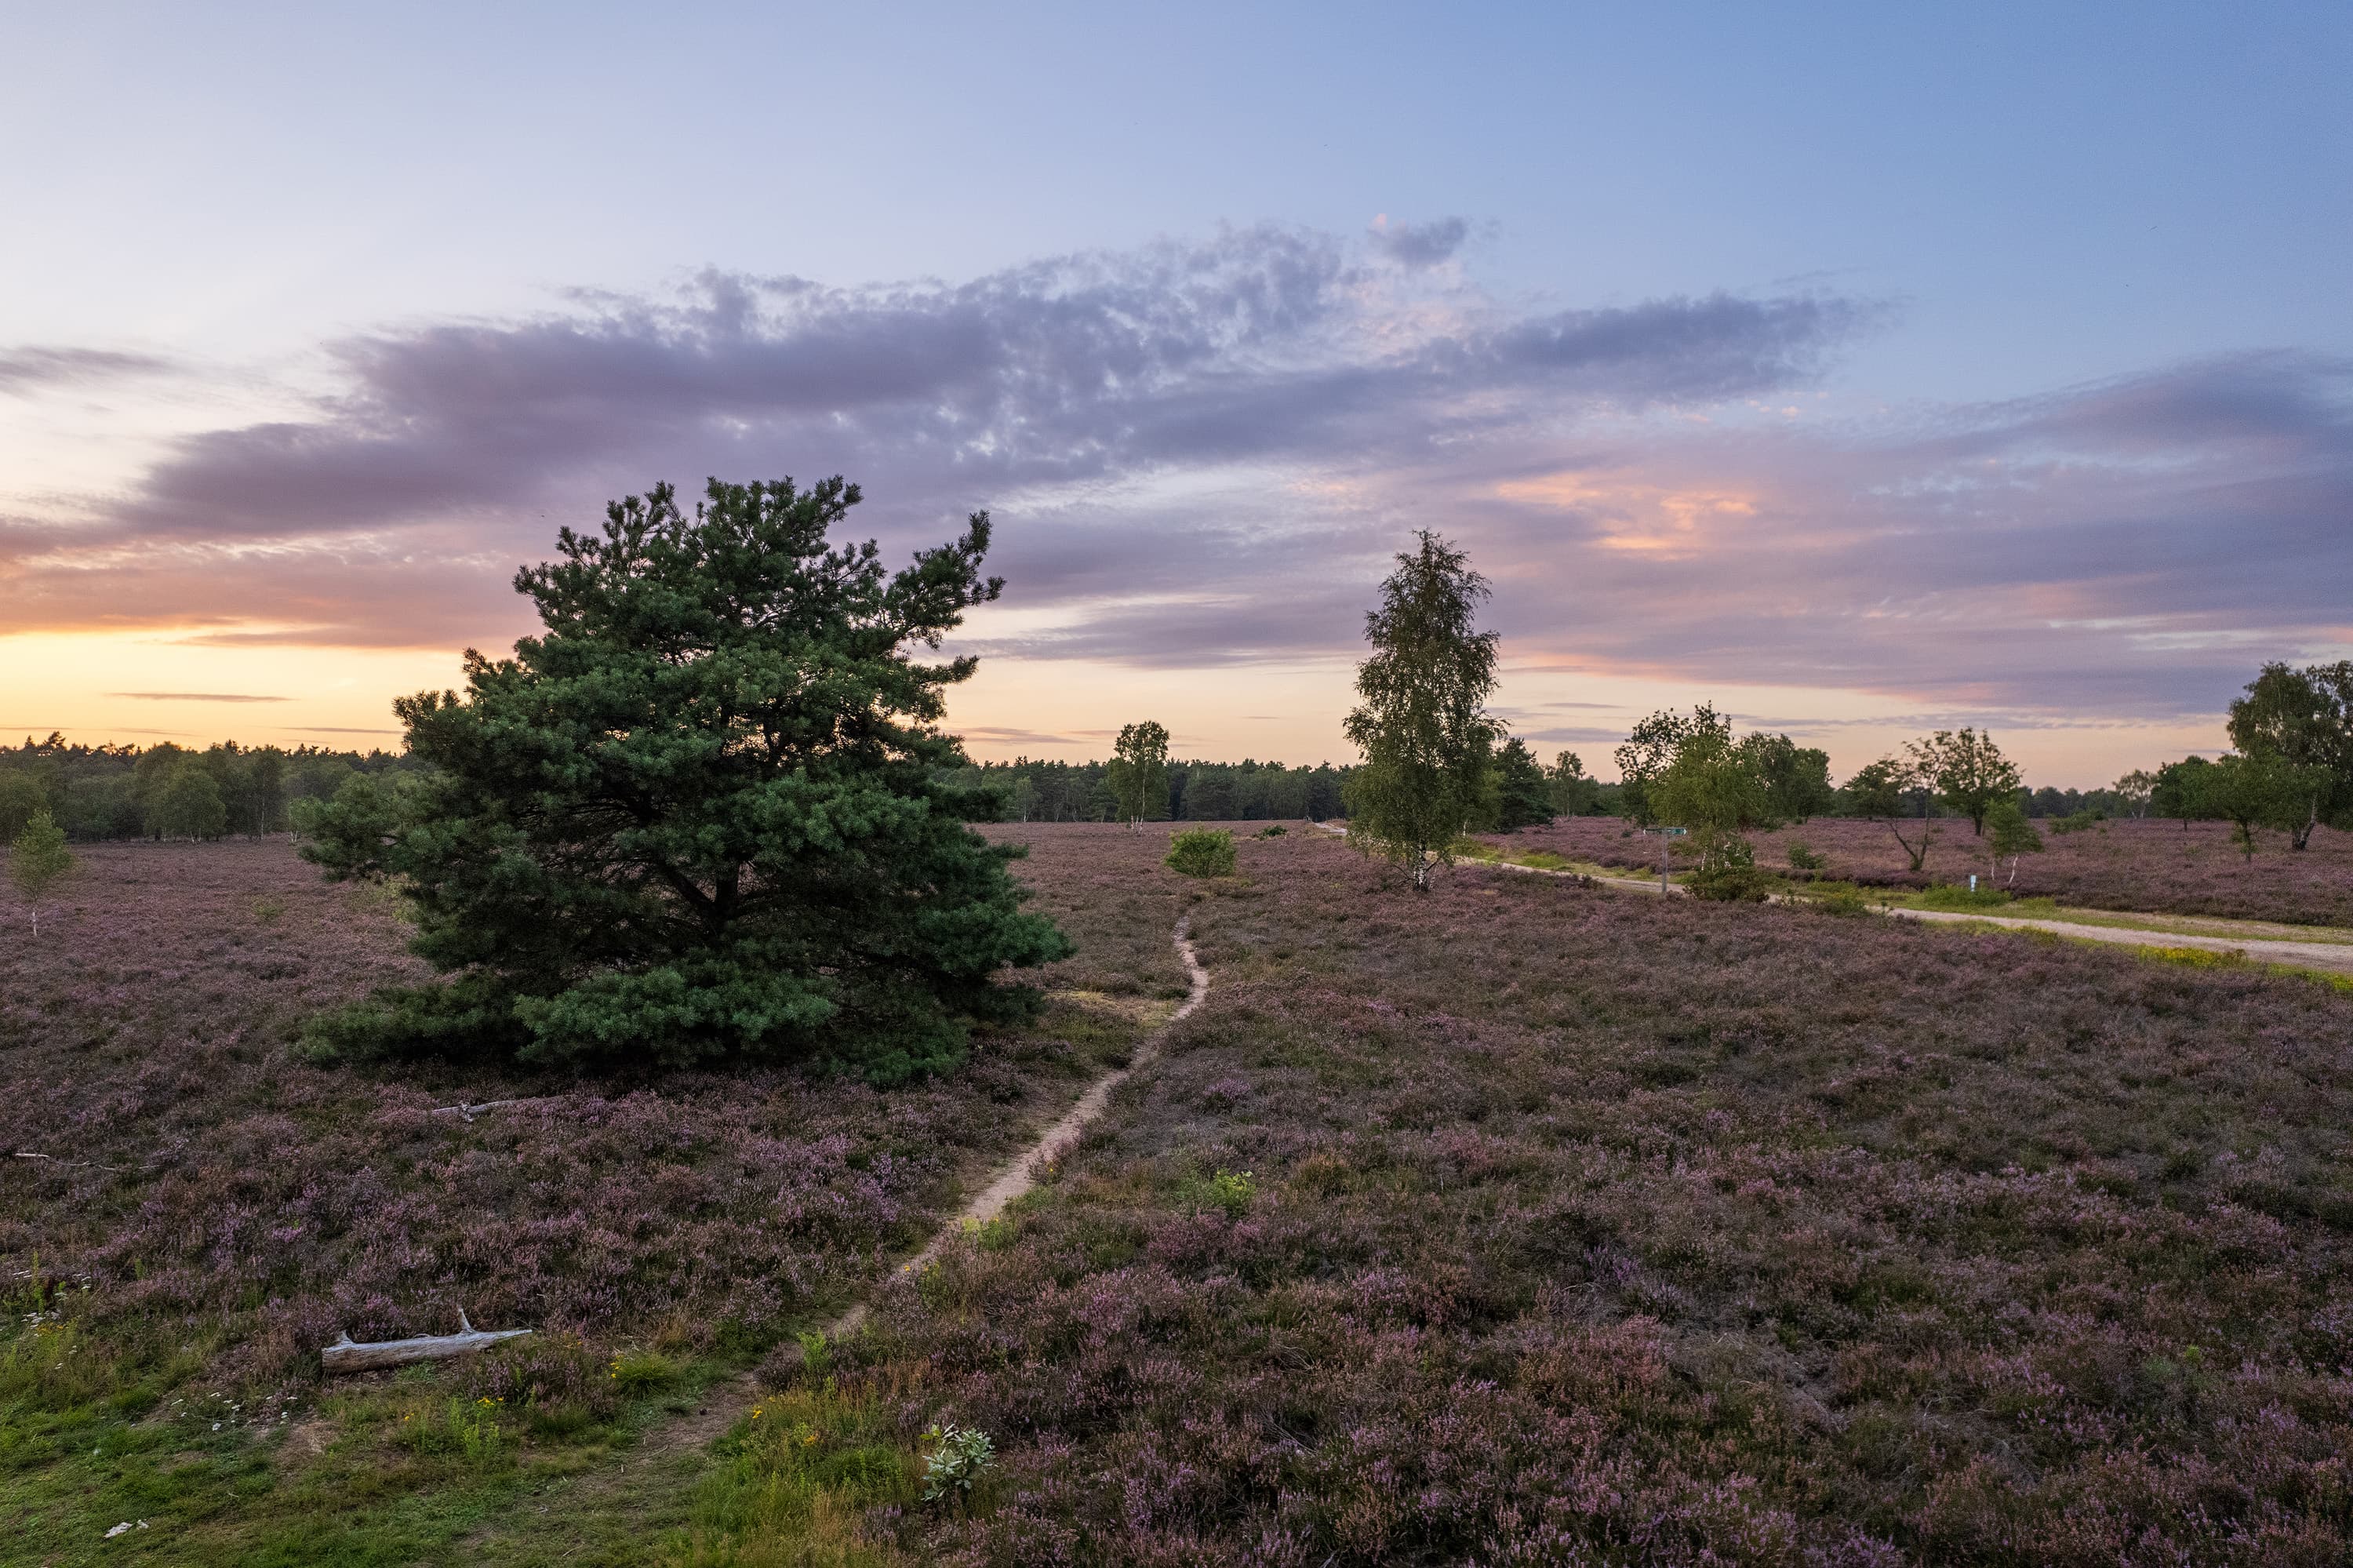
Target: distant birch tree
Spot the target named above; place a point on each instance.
(36, 860)
(1138, 773)
(1422, 725)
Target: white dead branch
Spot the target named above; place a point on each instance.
(347, 1355)
(470, 1112)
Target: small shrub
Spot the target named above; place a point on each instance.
(1835, 898)
(1805, 857)
(1728, 874)
(268, 911)
(1202, 852)
(1232, 1192)
(1955, 898)
(2075, 823)
(554, 1379)
(638, 1372)
(1276, 831)
(962, 1455)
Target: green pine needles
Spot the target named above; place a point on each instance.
(702, 814)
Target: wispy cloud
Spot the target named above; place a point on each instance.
(1201, 455)
(196, 697)
(30, 369)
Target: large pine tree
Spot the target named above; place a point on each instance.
(702, 814)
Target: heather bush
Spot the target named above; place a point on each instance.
(1202, 852)
(1596, 1228)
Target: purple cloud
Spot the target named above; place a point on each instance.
(1202, 454)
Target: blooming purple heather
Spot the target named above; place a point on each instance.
(1588, 1227)
(205, 1177)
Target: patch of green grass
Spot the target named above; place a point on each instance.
(381, 1471)
(794, 1475)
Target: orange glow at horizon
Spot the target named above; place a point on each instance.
(141, 688)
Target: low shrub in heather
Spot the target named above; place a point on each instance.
(1202, 852)
(1583, 1227)
(2158, 867)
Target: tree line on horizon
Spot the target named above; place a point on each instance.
(172, 791)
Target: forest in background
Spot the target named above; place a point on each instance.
(110, 791)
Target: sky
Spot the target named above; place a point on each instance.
(1862, 370)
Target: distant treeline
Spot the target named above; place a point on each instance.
(1247, 790)
(1032, 790)
(169, 791)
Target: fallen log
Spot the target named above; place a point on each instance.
(347, 1355)
(470, 1112)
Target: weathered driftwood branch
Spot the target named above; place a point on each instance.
(346, 1355)
(470, 1112)
(84, 1164)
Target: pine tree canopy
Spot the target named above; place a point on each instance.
(702, 814)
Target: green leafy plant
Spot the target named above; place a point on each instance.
(1805, 857)
(462, 1429)
(1232, 1192)
(960, 1456)
(1202, 852)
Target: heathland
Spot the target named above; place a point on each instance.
(1524, 1221)
(2128, 864)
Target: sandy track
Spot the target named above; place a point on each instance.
(1019, 1175)
(2337, 956)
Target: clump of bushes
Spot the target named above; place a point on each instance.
(1275, 832)
(1202, 852)
(2077, 821)
(1835, 898)
(1728, 873)
(1805, 857)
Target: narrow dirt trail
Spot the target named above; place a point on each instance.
(646, 1491)
(1020, 1173)
(2337, 956)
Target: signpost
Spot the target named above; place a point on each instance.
(1664, 834)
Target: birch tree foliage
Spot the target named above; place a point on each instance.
(1422, 724)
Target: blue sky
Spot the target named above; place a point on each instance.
(1858, 368)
